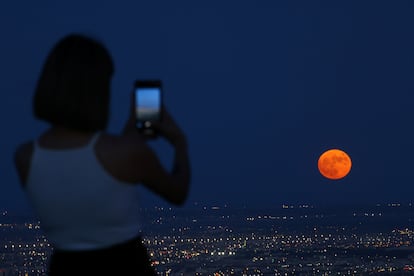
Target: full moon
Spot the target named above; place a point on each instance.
(334, 164)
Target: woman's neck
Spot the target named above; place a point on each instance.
(61, 130)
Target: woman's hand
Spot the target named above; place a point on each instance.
(130, 125)
(169, 129)
(166, 128)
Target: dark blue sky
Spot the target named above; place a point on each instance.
(261, 88)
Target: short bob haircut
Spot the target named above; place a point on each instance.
(73, 90)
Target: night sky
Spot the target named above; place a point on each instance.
(261, 89)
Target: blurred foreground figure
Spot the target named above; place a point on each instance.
(80, 180)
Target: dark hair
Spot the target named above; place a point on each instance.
(74, 87)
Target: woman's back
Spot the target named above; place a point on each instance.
(89, 216)
(91, 207)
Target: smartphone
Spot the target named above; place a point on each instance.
(148, 103)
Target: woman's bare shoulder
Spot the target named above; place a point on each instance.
(24, 149)
(120, 143)
(22, 157)
(117, 155)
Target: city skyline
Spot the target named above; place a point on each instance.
(378, 239)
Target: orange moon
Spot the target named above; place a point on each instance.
(334, 164)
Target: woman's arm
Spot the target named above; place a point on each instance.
(172, 185)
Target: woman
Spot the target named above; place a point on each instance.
(80, 180)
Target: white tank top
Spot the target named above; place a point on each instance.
(80, 206)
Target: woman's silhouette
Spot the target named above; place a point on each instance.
(81, 180)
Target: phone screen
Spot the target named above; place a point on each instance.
(147, 105)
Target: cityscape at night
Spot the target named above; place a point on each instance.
(220, 240)
(298, 126)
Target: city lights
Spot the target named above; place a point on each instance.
(265, 242)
